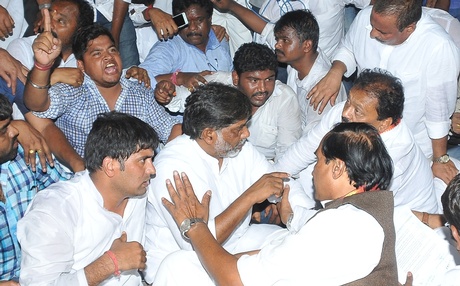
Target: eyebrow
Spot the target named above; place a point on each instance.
(4, 127)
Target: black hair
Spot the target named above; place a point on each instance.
(86, 34)
(6, 110)
(360, 147)
(179, 6)
(254, 57)
(215, 106)
(451, 202)
(384, 87)
(117, 135)
(406, 11)
(303, 22)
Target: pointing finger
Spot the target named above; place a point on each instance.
(46, 20)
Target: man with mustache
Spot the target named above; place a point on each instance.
(377, 98)
(90, 230)
(295, 39)
(397, 36)
(275, 121)
(215, 155)
(103, 88)
(193, 53)
(19, 184)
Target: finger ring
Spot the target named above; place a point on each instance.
(31, 151)
(190, 89)
(458, 125)
(39, 150)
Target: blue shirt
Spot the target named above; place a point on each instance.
(166, 57)
(19, 186)
(76, 108)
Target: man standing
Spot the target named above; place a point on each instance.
(395, 35)
(90, 229)
(19, 184)
(103, 88)
(214, 153)
(350, 182)
(196, 49)
(275, 121)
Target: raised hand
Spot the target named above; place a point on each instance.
(130, 255)
(268, 185)
(71, 76)
(46, 47)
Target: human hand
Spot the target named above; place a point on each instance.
(445, 172)
(130, 255)
(163, 23)
(220, 32)
(71, 76)
(34, 144)
(325, 90)
(185, 204)
(284, 207)
(164, 91)
(140, 74)
(46, 47)
(6, 24)
(11, 69)
(268, 185)
(455, 123)
(192, 80)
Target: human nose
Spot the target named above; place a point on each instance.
(278, 44)
(151, 168)
(245, 134)
(374, 33)
(261, 86)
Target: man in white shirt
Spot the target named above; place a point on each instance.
(396, 36)
(275, 118)
(214, 153)
(90, 230)
(295, 39)
(376, 98)
(351, 240)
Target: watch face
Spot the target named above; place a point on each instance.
(444, 158)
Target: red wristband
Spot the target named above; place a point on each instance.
(112, 256)
(41, 67)
(146, 11)
(174, 77)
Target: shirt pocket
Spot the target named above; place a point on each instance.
(267, 136)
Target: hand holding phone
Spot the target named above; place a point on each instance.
(180, 20)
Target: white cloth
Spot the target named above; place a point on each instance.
(67, 227)
(303, 258)
(330, 15)
(452, 277)
(412, 182)
(427, 63)
(105, 7)
(274, 126)
(310, 117)
(447, 21)
(227, 184)
(21, 49)
(16, 10)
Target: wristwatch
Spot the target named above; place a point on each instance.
(443, 159)
(187, 224)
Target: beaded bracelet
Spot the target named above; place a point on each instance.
(36, 85)
(112, 256)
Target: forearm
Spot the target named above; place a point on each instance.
(119, 12)
(99, 270)
(219, 263)
(37, 99)
(337, 70)
(439, 147)
(176, 130)
(228, 220)
(249, 18)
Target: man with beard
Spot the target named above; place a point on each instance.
(377, 98)
(90, 230)
(295, 38)
(215, 155)
(103, 89)
(186, 57)
(275, 113)
(19, 184)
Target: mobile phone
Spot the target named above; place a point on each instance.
(180, 20)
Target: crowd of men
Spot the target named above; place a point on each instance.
(185, 157)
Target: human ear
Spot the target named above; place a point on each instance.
(384, 124)
(235, 78)
(108, 166)
(338, 168)
(208, 135)
(80, 65)
(456, 236)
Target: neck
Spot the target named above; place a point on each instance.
(209, 150)
(304, 65)
(110, 94)
(112, 201)
(65, 53)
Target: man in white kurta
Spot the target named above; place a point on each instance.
(427, 63)
(412, 182)
(90, 230)
(229, 177)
